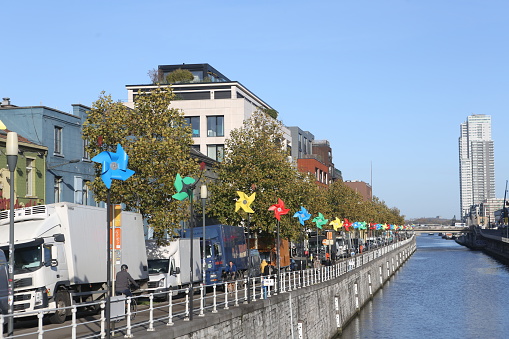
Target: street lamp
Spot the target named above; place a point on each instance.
(12, 160)
(203, 195)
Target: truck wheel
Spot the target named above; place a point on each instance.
(61, 300)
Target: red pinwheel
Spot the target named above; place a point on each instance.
(279, 209)
(347, 224)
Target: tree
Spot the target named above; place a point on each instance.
(344, 202)
(256, 161)
(179, 76)
(155, 75)
(157, 141)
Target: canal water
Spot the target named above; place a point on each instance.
(444, 290)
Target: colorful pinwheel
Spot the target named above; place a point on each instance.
(303, 215)
(244, 202)
(336, 224)
(279, 209)
(346, 225)
(320, 220)
(114, 165)
(182, 187)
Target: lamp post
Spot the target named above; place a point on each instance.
(12, 160)
(203, 195)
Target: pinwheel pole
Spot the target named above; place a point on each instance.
(185, 187)
(244, 203)
(114, 166)
(279, 209)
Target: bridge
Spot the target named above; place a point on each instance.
(439, 228)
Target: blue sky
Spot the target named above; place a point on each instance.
(386, 82)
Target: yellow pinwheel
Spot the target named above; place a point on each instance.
(244, 202)
(336, 224)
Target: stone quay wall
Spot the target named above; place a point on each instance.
(315, 311)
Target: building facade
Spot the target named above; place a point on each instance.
(68, 166)
(212, 104)
(361, 187)
(476, 162)
(29, 175)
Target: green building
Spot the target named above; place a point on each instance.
(29, 176)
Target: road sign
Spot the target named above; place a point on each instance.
(326, 242)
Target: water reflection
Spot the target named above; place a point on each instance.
(443, 291)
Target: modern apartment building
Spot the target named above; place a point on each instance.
(212, 104)
(476, 162)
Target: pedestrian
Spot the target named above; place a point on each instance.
(264, 268)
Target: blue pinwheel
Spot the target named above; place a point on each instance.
(114, 165)
(182, 186)
(303, 215)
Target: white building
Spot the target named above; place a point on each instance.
(476, 162)
(212, 104)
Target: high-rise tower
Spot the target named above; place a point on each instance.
(477, 162)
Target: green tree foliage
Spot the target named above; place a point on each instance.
(344, 202)
(157, 141)
(256, 161)
(179, 76)
(270, 112)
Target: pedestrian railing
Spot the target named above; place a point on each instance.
(212, 298)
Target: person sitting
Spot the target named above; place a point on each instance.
(231, 270)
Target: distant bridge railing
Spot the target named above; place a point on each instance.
(439, 228)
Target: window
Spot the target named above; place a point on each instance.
(78, 190)
(215, 152)
(196, 147)
(86, 192)
(85, 153)
(58, 140)
(194, 122)
(215, 126)
(30, 172)
(57, 189)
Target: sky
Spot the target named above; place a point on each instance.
(387, 82)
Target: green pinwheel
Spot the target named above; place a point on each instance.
(182, 185)
(320, 220)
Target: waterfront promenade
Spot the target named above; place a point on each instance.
(310, 302)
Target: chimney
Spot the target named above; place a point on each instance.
(6, 101)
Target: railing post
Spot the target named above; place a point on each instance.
(214, 298)
(41, 323)
(74, 325)
(202, 301)
(151, 313)
(103, 320)
(254, 288)
(236, 293)
(128, 334)
(226, 295)
(170, 308)
(2, 324)
(268, 289)
(186, 318)
(245, 292)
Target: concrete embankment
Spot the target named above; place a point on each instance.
(314, 311)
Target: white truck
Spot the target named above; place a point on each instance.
(169, 266)
(60, 252)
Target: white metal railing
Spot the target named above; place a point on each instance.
(222, 295)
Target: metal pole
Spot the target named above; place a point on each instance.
(108, 265)
(12, 160)
(248, 258)
(278, 259)
(191, 290)
(203, 195)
